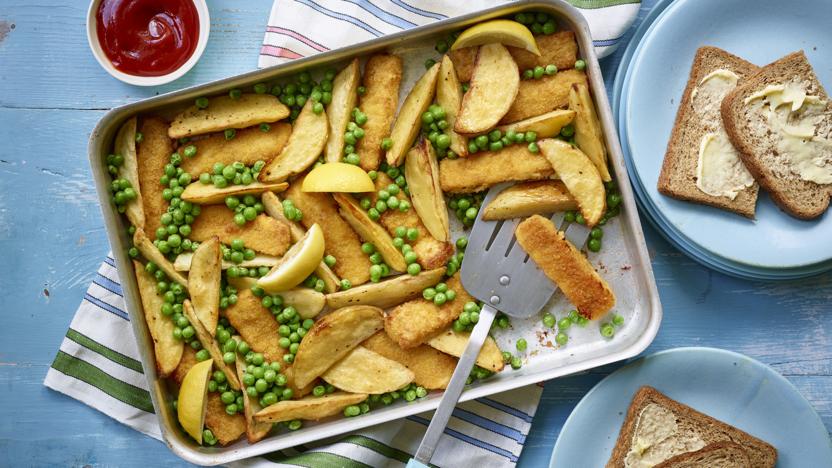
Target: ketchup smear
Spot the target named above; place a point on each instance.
(148, 37)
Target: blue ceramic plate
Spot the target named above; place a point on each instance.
(728, 386)
(651, 86)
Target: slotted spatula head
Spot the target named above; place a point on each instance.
(497, 271)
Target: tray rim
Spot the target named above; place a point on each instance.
(100, 142)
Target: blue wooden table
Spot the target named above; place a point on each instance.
(52, 92)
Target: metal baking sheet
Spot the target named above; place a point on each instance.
(623, 261)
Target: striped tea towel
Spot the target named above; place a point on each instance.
(98, 364)
(300, 28)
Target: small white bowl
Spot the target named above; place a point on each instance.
(104, 61)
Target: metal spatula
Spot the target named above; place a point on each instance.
(498, 272)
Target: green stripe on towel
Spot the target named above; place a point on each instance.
(108, 353)
(596, 4)
(86, 372)
(377, 446)
(317, 460)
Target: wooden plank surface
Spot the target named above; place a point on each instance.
(52, 92)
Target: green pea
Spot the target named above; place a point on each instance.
(410, 257)
(617, 320)
(201, 102)
(495, 146)
(548, 320)
(607, 330)
(561, 338)
(564, 324)
(443, 141)
(386, 144)
(516, 363)
(594, 245)
(521, 344)
(351, 411)
(528, 74)
(429, 293)
(533, 148)
(481, 141)
(345, 284)
(538, 72)
(353, 159)
(414, 269)
(550, 69)
(412, 234)
(373, 214)
(440, 297)
(471, 213)
(230, 133)
(580, 64)
(429, 63)
(261, 88)
(381, 206)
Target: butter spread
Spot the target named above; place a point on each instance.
(657, 438)
(795, 119)
(719, 170)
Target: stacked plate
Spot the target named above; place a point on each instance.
(648, 86)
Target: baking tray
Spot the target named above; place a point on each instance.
(623, 261)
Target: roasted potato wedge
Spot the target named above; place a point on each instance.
(588, 134)
(482, 170)
(364, 371)
(566, 266)
(227, 428)
(339, 110)
(382, 79)
(274, 208)
(309, 408)
(151, 253)
(207, 194)
(255, 431)
(431, 368)
(265, 234)
(422, 173)
(153, 154)
(370, 231)
(211, 345)
(255, 324)
(223, 112)
(248, 146)
(168, 350)
(579, 175)
(535, 97)
(408, 122)
(494, 86)
(449, 97)
(546, 125)
(309, 135)
(204, 283)
(332, 337)
(386, 293)
(184, 261)
(454, 343)
(125, 145)
(528, 198)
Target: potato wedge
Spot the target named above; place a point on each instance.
(255, 324)
(388, 293)
(227, 428)
(370, 231)
(204, 283)
(332, 337)
(207, 194)
(151, 253)
(382, 79)
(494, 86)
(546, 125)
(580, 176)
(265, 234)
(341, 240)
(364, 371)
(528, 198)
(431, 252)
(209, 343)
(339, 110)
(309, 135)
(223, 112)
(588, 134)
(255, 431)
(309, 408)
(431, 368)
(566, 266)
(248, 146)
(153, 154)
(482, 170)
(535, 97)
(274, 208)
(449, 97)
(422, 173)
(454, 343)
(168, 350)
(125, 145)
(416, 321)
(409, 120)
(183, 262)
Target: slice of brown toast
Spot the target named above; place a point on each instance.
(751, 135)
(716, 455)
(710, 430)
(678, 175)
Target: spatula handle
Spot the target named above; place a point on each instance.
(457, 383)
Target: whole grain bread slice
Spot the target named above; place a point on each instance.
(750, 133)
(716, 455)
(710, 430)
(678, 175)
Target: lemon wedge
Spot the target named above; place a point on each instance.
(190, 407)
(337, 177)
(505, 32)
(297, 263)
